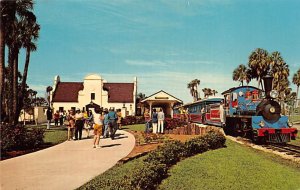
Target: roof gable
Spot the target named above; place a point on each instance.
(119, 92)
(67, 91)
(161, 95)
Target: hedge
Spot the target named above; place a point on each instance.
(18, 137)
(149, 173)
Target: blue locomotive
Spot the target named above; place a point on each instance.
(250, 112)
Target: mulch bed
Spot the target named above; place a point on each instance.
(142, 149)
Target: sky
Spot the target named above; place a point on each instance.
(164, 43)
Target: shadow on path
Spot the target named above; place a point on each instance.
(110, 145)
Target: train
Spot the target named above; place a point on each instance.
(244, 111)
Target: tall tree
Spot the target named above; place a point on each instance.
(193, 86)
(241, 74)
(296, 81)
(15, 13)
(259, 63)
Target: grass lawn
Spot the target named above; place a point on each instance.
(115, 173)
(234, 167)
(297, 141)
(55, 135)
(136, 127)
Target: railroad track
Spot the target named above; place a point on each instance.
(286, 148)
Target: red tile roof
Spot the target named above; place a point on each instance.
(119, 92)
(67, 91)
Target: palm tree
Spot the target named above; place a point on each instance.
(280, 70)
(259, 63)
(214, 92)
(15, 14)
(193, 86)
(48, 90)
(296, 81)
(241, 74)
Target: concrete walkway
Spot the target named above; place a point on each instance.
(65, 166)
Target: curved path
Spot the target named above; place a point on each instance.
(64, 166)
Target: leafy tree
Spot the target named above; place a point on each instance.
(193, 86)
(18, 29)
(241, 74)
(259, 61)
(296, 81)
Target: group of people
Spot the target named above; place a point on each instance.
(156, 119)
(104, 122)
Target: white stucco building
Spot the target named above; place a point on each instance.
(93, 92)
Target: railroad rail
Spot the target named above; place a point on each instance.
(289, 149)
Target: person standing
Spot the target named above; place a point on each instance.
(119, 114)
(147, 120)
(78, 124)
(161, 119)
(56, 118)
(49, 117)
(105, 132)
(71, 126)
(222, 113)
(61, 118)
(154, 121)
(112, 117)
(88, 123)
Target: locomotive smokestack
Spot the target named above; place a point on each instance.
(268, 79)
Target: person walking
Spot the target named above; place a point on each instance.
(78, 124)
(147, 121)
(71, 126)
(160, 118)
(49, 117)
(112, 117)
(154, 121)
(98, 124)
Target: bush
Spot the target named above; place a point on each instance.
(131, 120)
(18, 137)
(172, 123)
(170, 153)
(196, 145)
(148, 175)
(215, 139)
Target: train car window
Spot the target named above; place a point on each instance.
(248, 95)
(255, 95)
(234, 98)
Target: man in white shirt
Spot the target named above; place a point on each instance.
(160, 118)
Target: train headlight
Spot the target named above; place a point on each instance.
(261, 124)
(290, 124)
(274, 94)
(272, 109)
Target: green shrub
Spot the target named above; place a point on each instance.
(18, 137)
(169, 153)
(215, 139)
(196, 145)
(148, 175)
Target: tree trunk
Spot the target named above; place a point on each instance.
(10, 85)
(296, 105)
(2, 66)
(23, 84)
(15, 87)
